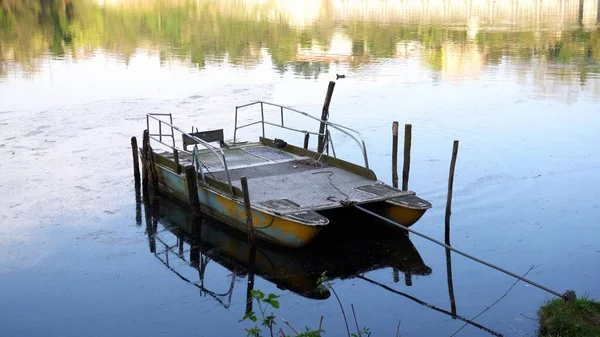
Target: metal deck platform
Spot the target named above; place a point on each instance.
(286, 183)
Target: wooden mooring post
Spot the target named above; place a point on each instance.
(449, 196)
(248, 208)
(407, 146)
(136, 161)
(251, 243)
(447, 229)
(395, 154)
(145, 178)
(150, 176)
(325, 116)
(192, 185)
(306, 139)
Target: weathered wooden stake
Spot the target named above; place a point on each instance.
(150, 231)
(306, 138)
(176, 158)
(395, 154)
(138, 205)
(450, 282)
(408, 279)
(145, 160)
(407, 145)
(136, 161)
(250, 287)
(325, 116)
(450, 186)
(152, 174)
(192, 184)
(447, 229)
(248, 208)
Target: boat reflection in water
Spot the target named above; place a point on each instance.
(343, 251)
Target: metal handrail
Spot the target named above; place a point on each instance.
(343, 129)
(218, 152)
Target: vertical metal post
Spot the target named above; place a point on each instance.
(281, 116)
(406, 166)
(235, 126)
(262, 114)
(306, 138)
(160, 130)
(172, 130)
(325, 116)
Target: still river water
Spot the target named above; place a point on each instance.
(517, 82)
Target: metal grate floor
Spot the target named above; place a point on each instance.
(286, 183)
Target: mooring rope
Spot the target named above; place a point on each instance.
(553, 292)
(346, 201)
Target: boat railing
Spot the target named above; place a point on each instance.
(355, 135)
(168, 125)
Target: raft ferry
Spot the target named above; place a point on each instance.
(290, 186)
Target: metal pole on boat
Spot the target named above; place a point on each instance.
(192, 185)
(447, 228)
(136, 162)
(248, 208)
(395, 154)
(325, 116)
(407, 145)
(553, 292)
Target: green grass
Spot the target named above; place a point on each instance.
(559, 318)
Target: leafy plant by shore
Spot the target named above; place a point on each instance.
(578, 318)
(266, 303)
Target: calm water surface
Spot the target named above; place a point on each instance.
(516, 82)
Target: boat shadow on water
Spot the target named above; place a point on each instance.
(184, 244)
(174, 234)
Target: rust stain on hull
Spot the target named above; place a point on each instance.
(268, 227)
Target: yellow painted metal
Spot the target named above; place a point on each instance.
(270, 227)
(267, 226)
(402, 215)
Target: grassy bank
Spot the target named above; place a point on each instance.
(579, 318)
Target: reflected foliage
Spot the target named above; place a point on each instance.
(200, 33)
